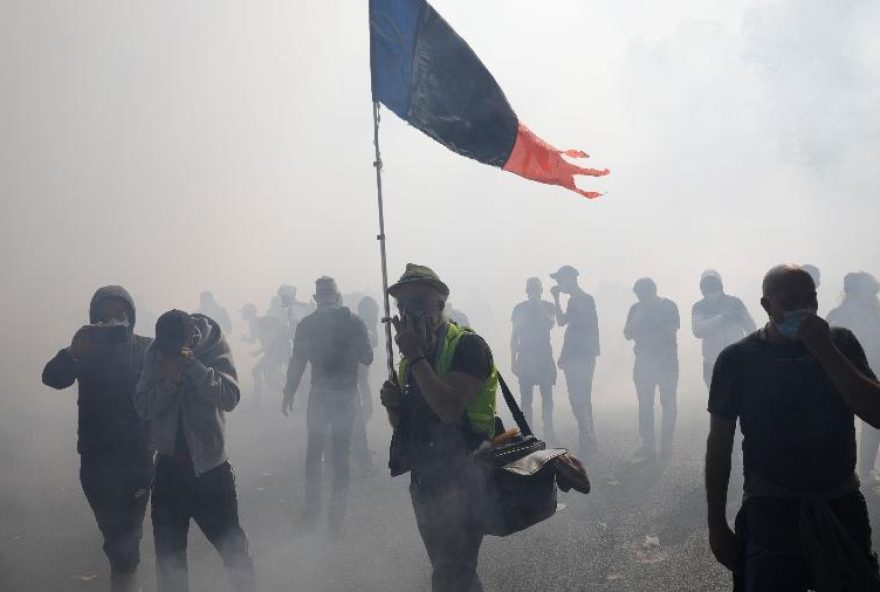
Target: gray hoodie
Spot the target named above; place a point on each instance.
(209, 389)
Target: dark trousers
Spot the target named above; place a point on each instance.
(360, 447)
(451, 537)
(579, 382)
(331, 416)
(209, 499)
(774, 557)
(527, 395)
(118, 488)
(649, 376)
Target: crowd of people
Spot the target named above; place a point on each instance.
(152, 415)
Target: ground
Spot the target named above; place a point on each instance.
(641, 528)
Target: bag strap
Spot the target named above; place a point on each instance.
(517, 413)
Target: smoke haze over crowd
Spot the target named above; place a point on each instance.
(180, 147)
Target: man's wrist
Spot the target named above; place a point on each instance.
(416, 359)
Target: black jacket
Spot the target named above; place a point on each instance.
(107, 379)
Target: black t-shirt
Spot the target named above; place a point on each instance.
(797, 431)
(654, 325)
(581, 340)
(533, 322)
(473, 357)
(335, 342)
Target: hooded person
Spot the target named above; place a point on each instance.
(368, 312)
(335, 343)
(718, 320)
(188, 384)
(116, 463)
(652, 325)
(860, 313)
(209, 307)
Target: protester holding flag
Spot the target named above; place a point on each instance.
(442, 406)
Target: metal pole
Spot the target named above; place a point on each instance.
(386, 320)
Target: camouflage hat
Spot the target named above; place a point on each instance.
(419, 274)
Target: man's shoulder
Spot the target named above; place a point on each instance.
(731, 300)
(142, 340)
(741, 349)
(669, 303)
(472, 343)
(842, 335)
(356, 323)
(583, 301)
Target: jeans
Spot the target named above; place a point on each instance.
(209, 499)
(331, 415)
(360, 447)
(452, 539)
(579, 382)
(649, 376)
(118, 487)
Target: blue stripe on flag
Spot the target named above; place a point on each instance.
(393, 30)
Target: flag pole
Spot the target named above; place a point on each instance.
(386, 320)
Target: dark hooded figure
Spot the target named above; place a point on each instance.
(652, 324)
(105, 359)
(860, 313)
(718, 320)
(188, 384)
(209, 307)
(368, 312)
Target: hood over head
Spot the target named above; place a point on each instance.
(211, 344)
(112, 292)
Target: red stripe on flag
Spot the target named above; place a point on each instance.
(535, 159)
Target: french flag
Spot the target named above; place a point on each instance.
(429, 76)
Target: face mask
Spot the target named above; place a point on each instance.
(792, 321)
(123, 322)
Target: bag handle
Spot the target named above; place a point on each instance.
(517, 413)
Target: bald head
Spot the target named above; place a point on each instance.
(786, 277)
(786, 288)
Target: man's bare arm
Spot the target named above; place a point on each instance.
(859, 392)
(448, 397)
(719, 447)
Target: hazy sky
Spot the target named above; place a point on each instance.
(181, 146)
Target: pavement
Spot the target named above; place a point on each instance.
(641, 528)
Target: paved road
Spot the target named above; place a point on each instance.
(641, 528)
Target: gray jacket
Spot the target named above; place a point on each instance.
(209, 388)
